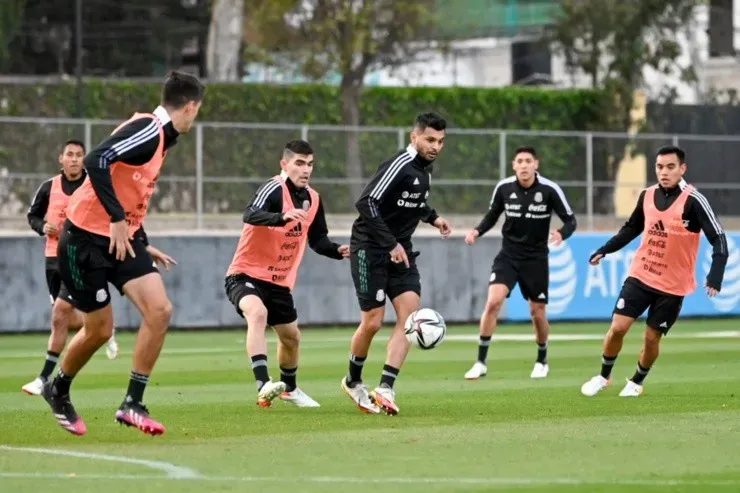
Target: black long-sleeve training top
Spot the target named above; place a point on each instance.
(697, 216)
(393, 202)
(134, 144)
(526, 228)
(266, 209)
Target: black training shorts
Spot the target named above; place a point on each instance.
(532, 275)
(55, 285)
(86, 267)
(376, 277)
(277, 299)
(636, 297)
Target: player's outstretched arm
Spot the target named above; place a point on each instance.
(701, 212)
(318, 238)
(628, 232)
(266, 206)
(39, 206)
(495, 209)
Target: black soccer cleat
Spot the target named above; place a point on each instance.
(64, 411)
(137, 415)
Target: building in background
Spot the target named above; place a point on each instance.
(496, 43)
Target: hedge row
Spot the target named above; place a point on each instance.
(244, 152)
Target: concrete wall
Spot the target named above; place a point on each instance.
(454, 282)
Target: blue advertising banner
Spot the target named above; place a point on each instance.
(581, 291)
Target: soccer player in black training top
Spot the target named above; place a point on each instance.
(382, 261)
(528, 200)
(45, 216)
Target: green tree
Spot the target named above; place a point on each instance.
(613, 41)
(11, 19)
(345, 37)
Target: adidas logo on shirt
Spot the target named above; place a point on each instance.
(658, 229)
(296, 230)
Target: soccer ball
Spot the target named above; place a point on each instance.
(425, 328)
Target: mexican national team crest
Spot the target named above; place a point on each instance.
(538, 197)
(306, 205)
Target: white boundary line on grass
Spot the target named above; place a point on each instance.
(495, 482)
(238, 347)
(173, 471)
(719, 334)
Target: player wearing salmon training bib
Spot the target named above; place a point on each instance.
(98, 246)
(670, 216)
(46, 216)
(283, 217)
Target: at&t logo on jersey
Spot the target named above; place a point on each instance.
(729, 296)
(563, 278)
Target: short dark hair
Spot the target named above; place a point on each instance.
(430, 119)
(527, 149)
(181, 88)
(665, 150)
(74, 142)
(297, 147)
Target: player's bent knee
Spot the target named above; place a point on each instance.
(289, 336)
(160, 313)
(619, 329)
(62, 308)
(537, 311)
(372, 321)
(621, 324)
(652, 336)
(99, 326)
(254, 311)
(493, 306)
(60, 316)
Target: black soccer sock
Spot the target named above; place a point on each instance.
(288, 376)
(51, 361)
(136, 385)
(259, 367)
(388, 378)
(607, 363)
(542, 353)
(640, 374)
(62, 383)
(483, 344)
(355, 369)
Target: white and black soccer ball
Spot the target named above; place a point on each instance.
(425, 328)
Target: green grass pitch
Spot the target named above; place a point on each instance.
(505, 432)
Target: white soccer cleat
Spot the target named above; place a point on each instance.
(478, 370)
(34, 387)
(111, 350)
(595, 385)
(299, 398)
(540, 370)
(631, 390)
(269, 392)
(360, 397)
(385, 399)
